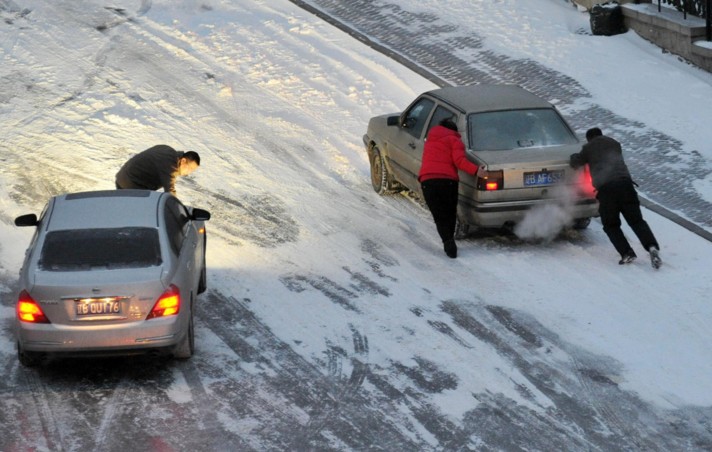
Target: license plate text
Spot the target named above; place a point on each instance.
(98, 307)
(543, 178)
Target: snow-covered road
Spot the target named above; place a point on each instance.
(333, 321)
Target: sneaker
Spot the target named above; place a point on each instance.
(450, 249)
(627, 258)
(655, 260)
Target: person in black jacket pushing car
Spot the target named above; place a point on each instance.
(616, 195)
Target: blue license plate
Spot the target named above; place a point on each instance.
(543, 178)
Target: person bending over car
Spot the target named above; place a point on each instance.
(443, 154)
(155, 168)
(616, 195)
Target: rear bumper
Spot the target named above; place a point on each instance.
(126, 338)
(499, 214)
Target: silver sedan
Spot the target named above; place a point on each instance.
(111, 272)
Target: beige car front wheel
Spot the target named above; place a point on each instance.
(380, 179)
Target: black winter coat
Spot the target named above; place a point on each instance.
(151, 169)
(604, 157)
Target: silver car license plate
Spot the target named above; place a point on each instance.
(98, 306)
(543, 178)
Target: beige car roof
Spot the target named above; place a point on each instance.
(479, 98)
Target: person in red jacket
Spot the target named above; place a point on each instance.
(443, 155)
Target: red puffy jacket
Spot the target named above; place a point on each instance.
(443, 154)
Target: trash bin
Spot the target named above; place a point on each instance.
(607, 19)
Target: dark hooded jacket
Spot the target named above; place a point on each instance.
(154, 168)
(443, 154)
(604, 157)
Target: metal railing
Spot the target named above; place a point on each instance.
(694, 7)
(698, 8)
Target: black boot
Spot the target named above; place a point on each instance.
(627, 257)
(450, 248)
(655, 260)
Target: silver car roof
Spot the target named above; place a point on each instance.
(479, 98)
(105, 209)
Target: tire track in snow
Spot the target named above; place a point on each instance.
(589, 409)
(109, 418)
(52, 433)
(343, 391)
(52, 177)
(339, 414)
(262, 219)
(22, 424)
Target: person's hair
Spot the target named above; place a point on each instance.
(593, 133)
(449, 123)
(191, 156)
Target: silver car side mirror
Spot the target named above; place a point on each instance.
(26, 220)
(199, 215)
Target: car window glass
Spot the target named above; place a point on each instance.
(515, 129)
(176, 219)
(110, 248)
(440, 114)
(417, 115)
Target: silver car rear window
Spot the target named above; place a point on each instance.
(516, 129)
(86, 249)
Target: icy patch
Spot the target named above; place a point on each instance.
(179, 391)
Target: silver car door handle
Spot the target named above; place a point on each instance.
(412, 145)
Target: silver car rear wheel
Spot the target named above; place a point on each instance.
(186, 347)
(28, 359)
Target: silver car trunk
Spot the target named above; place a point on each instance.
(103, 296)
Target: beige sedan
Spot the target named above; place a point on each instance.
(519, 141)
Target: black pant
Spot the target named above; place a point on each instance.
(441, 197)
(620, 198)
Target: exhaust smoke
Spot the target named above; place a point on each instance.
(545, 221)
